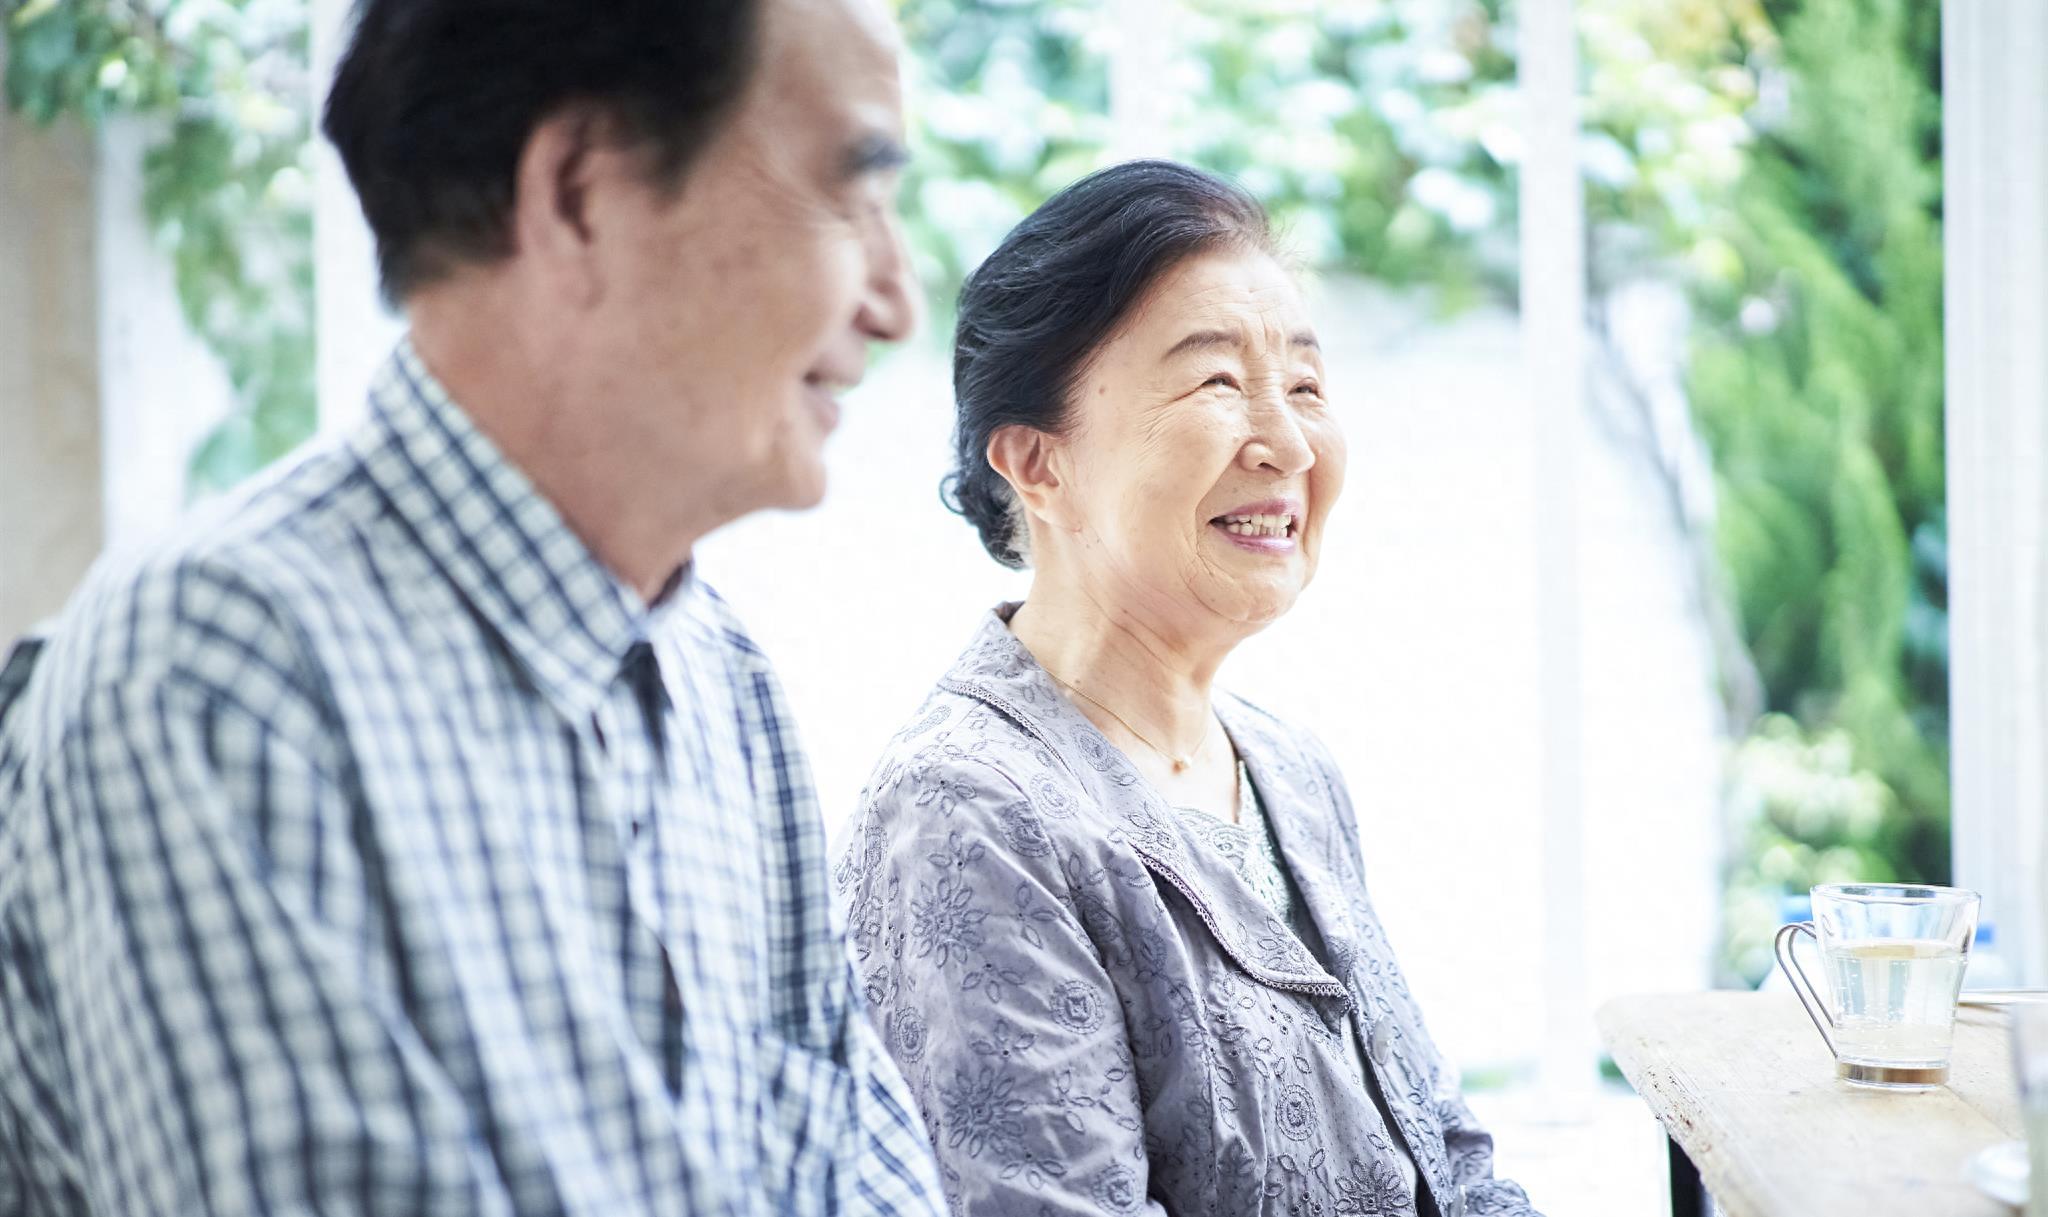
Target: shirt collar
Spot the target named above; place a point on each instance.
(563, 615)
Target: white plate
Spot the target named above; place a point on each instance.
(2001, 1172)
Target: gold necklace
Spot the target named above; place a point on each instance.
(1180, 763)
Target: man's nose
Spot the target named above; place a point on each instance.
(889, 307)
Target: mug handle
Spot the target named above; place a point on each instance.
(1816, 1009)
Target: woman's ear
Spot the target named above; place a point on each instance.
(1028, 459)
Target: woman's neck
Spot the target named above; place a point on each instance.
(1141, 679)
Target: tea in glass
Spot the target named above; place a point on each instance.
(1892, 957)
(1895, 1000)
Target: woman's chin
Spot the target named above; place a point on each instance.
(1250, 607)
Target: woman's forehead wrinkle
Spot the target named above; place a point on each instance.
(1259, 314)
(1240, 310)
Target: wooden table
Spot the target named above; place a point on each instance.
(1747, 1091)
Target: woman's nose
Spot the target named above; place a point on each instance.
(1278, 442)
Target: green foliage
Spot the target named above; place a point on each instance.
(1008, 102)
(1670, 90)
(1809, 812)
(1376, 133)
(1383, 134)
(1364, 124)
(226, 186)
(1817, 379)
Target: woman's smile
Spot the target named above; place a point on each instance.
(1272, 527)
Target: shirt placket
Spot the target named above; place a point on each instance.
(709, 835)
(710, 857)
(691, 878)
(629, 724)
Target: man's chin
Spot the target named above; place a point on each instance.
(802, 488)
(812, 497)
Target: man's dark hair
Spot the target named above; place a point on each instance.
(434, 100)
(1036, 311)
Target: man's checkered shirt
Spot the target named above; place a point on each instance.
(371, 849)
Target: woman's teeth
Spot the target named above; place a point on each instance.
(1258, 525)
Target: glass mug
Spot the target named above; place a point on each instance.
(1893, 957)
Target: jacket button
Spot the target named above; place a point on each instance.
(1382, 1043)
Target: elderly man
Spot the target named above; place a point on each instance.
(417, 834)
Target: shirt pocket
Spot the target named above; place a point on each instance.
(808, 1127)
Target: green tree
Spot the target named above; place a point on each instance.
(1817, 378)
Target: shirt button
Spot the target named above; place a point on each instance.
(1458, 1202)
(1382, 1043)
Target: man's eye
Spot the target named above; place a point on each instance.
(1310, 387)
(1223, 379)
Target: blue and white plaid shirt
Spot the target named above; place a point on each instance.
(371, 849)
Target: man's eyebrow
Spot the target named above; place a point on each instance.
(1306, 339)
(873, 153)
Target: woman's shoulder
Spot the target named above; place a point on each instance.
(959, 759)
(957, 732)
(954, 728)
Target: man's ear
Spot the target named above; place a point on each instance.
(1030, 461)
(553, 227)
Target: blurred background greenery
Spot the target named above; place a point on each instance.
(1776, 160)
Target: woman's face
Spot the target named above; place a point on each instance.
(1202, 456)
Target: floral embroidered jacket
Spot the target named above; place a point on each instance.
(1098, 1015)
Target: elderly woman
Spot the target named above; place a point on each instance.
(1112, 921)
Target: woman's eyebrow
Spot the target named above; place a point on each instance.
(1203, 340)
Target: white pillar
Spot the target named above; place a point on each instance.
(49, 370)
(1553, 336)
(353, 330)
(1995, 170)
